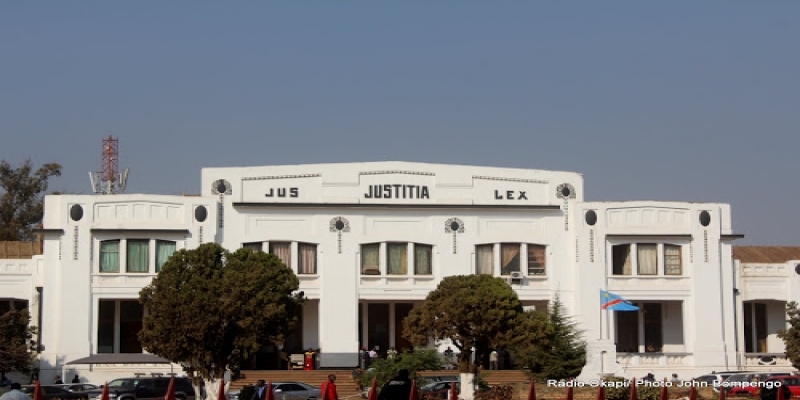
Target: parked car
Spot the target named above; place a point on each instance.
(715, 379)
(77, 387)
(425, 379)
(54, 392)
(286, 391)
(440, 389)
(747, 384)
(154, 388)
(789, 384)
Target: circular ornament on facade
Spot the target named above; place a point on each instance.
(705, 218)
(221, 186)
(340, 224)
(591, 217)
(565, 191)
(454, 225)
(200, 213)
(76, 212)
(797, 269)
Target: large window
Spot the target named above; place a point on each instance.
(136, 253)
(650, 259)
(396, 258)
(283, 250)
(164, 250)
(530, 259)
(307, 258)
(109, 256)
(370, 259)
(118, 326)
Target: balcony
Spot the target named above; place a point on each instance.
(760, 360)
(642, 360)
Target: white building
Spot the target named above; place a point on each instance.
(369, 241)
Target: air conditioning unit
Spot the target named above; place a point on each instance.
(515, 278)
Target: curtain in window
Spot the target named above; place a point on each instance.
(672, 259)
(648, 258)
(509, 258)
(484, 259)
(109, 256)
(621, 254)
(307, 263)
(397, 262)
(536, 260)
(370, 259)
(254, 246)
(164, 250)
(422, 259)
(282, 250)
(137, 255)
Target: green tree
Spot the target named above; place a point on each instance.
(473, 311)
(791, 336)
(385, 369)
(18, 346)
(562, 355)
(209, 309)
(21, 205)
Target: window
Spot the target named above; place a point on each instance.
(647, 258)
(138, 255)
(423, 255)
(484, 259)
(118, 326)
(370, 259)
(651, 259)
(164, 250)
(397, 258)
(509, 261)
(536, 263)
(283, 250)
(511, 258)
(109, 256)
(307, 258)
(672, 260)
(621, 255)
(254, 246)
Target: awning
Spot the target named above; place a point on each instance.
(121, 358)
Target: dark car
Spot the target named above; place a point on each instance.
(144, 389)
(441, 389)
(54, 392)
(77, 387)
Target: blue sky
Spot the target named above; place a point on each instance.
(680, 100)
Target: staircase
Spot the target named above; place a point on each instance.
(345, 385)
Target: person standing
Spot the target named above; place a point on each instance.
(58, 380)
(397, 388)
(15, 393)
(76, 379)
(493, 359)
(330, 388)
(261, 390)
(308, 365)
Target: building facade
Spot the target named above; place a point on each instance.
(369, 241)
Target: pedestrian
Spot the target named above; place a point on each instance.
(58, 380)
(76, 379)
(675, 378)
(330, 388)
(15, 393)
(397, 388)
(493, 359)
(261, 391)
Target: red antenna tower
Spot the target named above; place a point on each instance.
(110, 171)
(109, 180)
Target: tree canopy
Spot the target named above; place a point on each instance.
(209, 308)
(18, 345)
(562, 352)
(21, 205)
(791, 335)
(479, 311)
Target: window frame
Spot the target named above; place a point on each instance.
(634, 254)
